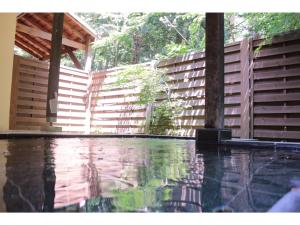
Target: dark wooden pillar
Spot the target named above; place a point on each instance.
(56, 44)
(214, 71)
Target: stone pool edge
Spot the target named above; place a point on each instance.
(247, 143)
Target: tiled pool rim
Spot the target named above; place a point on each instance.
(246, 143)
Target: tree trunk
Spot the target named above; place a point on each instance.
(137, 39)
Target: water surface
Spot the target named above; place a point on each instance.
(139, 175)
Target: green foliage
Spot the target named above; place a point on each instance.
(140, 37)
(151, 81)
(162, 118)
(20, 52)
(269, 24)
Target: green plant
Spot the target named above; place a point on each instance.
(151, 81)
(153, 85)
(162, 118)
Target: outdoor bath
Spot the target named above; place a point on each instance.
(134, 174)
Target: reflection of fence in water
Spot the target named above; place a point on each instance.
(186, 194)
(89, 171)
(24, 187)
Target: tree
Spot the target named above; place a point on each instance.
(133, 38)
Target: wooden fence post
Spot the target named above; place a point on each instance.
(148, 115)
(88, 101)
(251, 65)
(245, 88)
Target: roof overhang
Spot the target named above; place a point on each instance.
(34, 32)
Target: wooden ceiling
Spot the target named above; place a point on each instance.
(33, 34)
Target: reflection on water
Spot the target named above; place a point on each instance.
(113, 175)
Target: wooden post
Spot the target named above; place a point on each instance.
(56, 44)
(214, 71)
(251, 93)
(88, 56)
(148, 115)
(87, 68)
(245, 88)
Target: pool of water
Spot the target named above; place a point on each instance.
(139, 175)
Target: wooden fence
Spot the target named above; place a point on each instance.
(275, 97)
(29, 95)
(117, 110)
(262, 93)
(188, 85)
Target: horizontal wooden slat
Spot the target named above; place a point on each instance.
(103, 116)
(260, 133)
(32, 87)
(277, 62)
(276, 74)
(73, 129)
(276, 121)
(70, 121)
(276, 109)
(117, 130)
(116, 108)
(33, 63)
(73, 73)
(293, 35)
(61, 114)
(35, 72)
(31, 103)
(66, 106)
(34, 80)
(118, 123)
(230, 68)
(32, 111)
(277, 51)
(73, 86)
(30, 119)
(72, 79)
(74, 93)
(275, 85)
(70, 100)
(27, 127)
(276, 97)
(32, 95)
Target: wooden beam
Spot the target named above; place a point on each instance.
(33, 23)
(214, 71)
(47, 36)
(74, 58)
(53, 80)
(45, 19)
(34, 42)
(31, 51)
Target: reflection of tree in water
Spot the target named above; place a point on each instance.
(167, 163)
